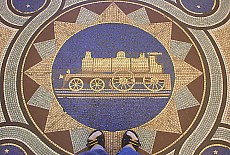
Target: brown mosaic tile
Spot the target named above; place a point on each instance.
(187, 116)
(163, 139)
(97, 7)
(60, 137)
(196, 87)
(155, 17)
(127, 8)
(39, 115)
(32, 58)
(28, 83)
(178, 34)
(46, 34)
(70, 17)
(194, 59)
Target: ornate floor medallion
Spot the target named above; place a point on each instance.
(157, 67)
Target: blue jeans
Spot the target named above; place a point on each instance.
(124, 151)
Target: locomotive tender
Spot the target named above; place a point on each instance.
(121, 72)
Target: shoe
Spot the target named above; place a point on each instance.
(127, 139)
(98, 140)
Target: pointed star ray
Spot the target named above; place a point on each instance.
(184, 73)
(113, 143)
(113, 14)
(45, 48)
(139, 16)
(166, 121)
(147, 138)
(58, 120)
(161, 31)
(41, 73)
(63, 31)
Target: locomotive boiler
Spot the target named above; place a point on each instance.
(120, 73)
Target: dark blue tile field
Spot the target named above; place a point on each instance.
(221, 150)
(28, 6)
(104, 41)
(11, 150)
(199, 6)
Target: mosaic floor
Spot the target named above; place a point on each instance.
(158, 67)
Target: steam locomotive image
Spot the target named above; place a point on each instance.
(120, 74)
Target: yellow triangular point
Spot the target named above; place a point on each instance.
(41, 73)
(184, 73)
(161, 31)
(113, 141)
(113, 14)
(63, 31)
(166, 121)
(58, 120)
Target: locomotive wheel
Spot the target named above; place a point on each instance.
(97, 84)
(123, 82)
(153, 83)
(76, 84)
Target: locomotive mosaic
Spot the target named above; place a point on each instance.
(121, 74)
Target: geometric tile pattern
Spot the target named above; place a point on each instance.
(41, 98)
(41, 73)
(180, 49)
(167, 121)
(27, 137)
(181, 68)
(147, 137)
(222, 134)
(45, 48)
(64, 31)
(14, 54)
(223, 43)
(209, 117)
(58, 120)
(86, 17)
(161, 31)
(113, 14)
(78, 138)
(113, 141)
(184, 99)
(139, 16)
(5, 37)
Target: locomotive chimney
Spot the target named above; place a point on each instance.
(154, 67)
(87, 62)
(142, 55)
(88, 54)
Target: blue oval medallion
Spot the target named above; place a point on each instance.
(113, 77)
(199, 6)
(28, 6)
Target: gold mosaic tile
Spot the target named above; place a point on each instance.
(224, 44)
(41, 73)
(166, 121)
(58, 120)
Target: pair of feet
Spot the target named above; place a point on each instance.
(130, 139)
